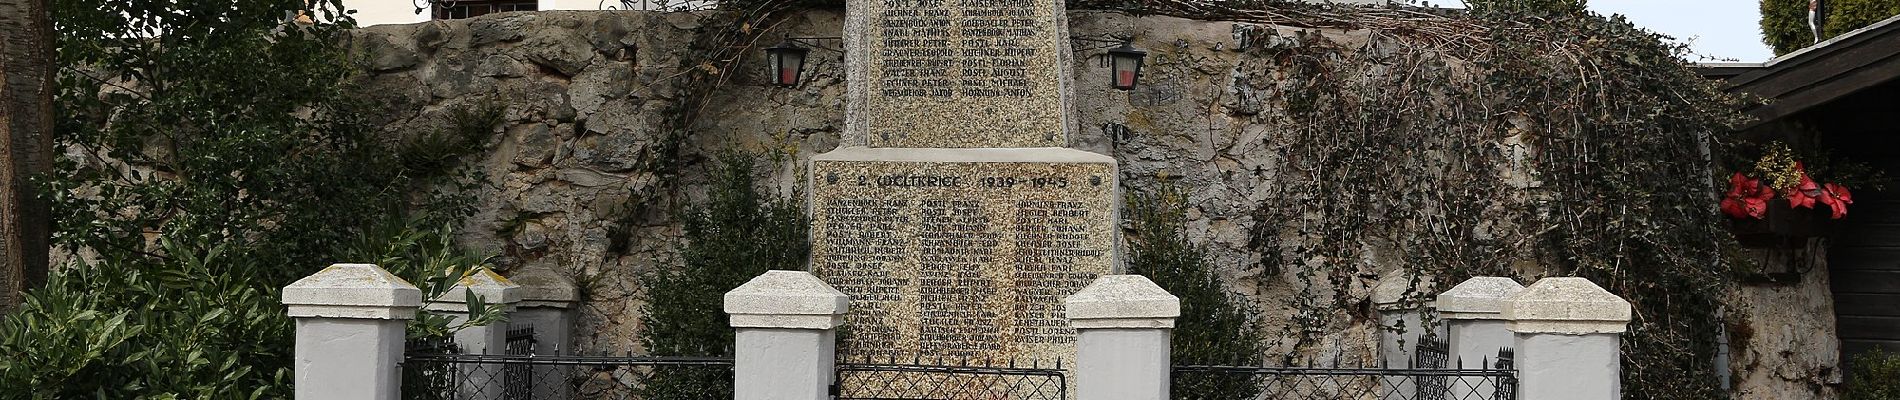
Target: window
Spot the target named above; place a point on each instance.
(459, 9)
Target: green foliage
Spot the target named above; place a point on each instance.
(1784, 23)
(739, 233)
(1874, 375)
(1216, 326)
(216, 156)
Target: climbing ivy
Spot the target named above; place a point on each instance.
(1523, 138)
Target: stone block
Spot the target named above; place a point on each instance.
(786, 299)
(1571, 306)
(1396, 289)
(541, 287)
(962, 252)
(1477, 298)
(352, 291)
(490, 287)
(1123, 301)
(1002, 80)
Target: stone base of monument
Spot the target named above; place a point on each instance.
(962, 253)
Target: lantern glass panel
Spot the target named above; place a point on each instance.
(1127, 70)
(787, 63)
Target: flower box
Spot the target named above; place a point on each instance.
(1783, 226)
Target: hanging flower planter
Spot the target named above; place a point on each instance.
(1787, 209)
(1782, 225)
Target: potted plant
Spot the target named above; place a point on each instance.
(1781, 204)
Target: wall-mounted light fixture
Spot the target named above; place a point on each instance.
(1123, 60)
(1126, 65)
(787, 59)
(788, 62)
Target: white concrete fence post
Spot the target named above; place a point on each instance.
(1473, 313)
(1398, 301)
(547, 305)
(350, 320)
(480, 381)
(1123, 325)
(786, 340)
(1568, 337)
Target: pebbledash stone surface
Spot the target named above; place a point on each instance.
(957, 73)
(962, 252)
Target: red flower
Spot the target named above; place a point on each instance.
(1747, 198)
(1836, 197)
(1805, 192)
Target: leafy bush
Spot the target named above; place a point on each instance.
(1216, 326)
(1784, 23)
(210, 166)
(739, 233)
(1874, 375)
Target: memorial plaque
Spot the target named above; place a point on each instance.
(957, 73)
(962, 252)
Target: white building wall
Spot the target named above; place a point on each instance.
(381, 12)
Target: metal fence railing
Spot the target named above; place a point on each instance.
(945, 379)
(1431, 377)
(436, 370)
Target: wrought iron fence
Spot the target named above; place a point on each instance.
(944, 379)
(437, 370)
(1431, 377)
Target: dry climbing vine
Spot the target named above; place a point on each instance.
(1546, 141)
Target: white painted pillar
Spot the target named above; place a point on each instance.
(1567, 334)
(786, 336)
(547, 305)
(1401, 306)
(1473, 313)
(480, 381)
(350, 340)
(1122, 325)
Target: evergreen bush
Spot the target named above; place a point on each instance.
(739, 233)
(1216, 326)
(1784, 23)
(1874, 375)
(215, 154)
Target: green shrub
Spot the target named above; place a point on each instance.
(1784, 23)
(1216, 326)
(211, 166)
(739, 233)
(1874, 375)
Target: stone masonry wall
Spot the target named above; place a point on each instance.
(581, 90)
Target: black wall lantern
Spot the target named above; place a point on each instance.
(788, 62)
(1125, 64)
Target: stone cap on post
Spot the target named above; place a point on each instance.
(363, 291)
(1477, 298)
(490, 287)
(1567, 306)
(1122, 301)
(1390, 293)
(545, 288)
(786, 300)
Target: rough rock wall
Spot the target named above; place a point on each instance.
(566, 181)
(1781, 336)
